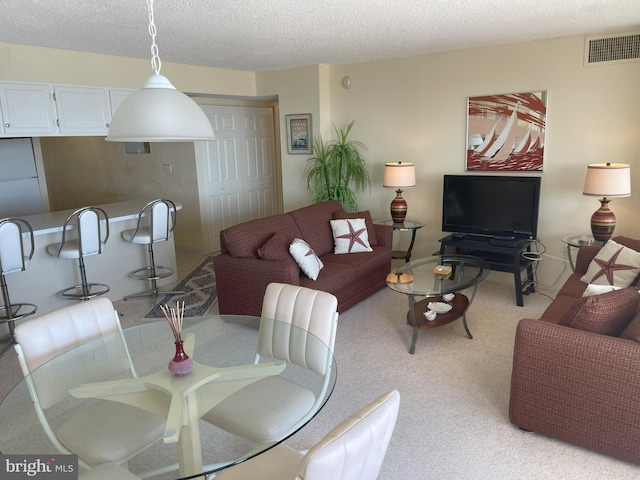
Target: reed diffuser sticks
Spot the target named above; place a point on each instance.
(174, 316)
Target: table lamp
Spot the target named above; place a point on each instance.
(399, 175)
(606, 180)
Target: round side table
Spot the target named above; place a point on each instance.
(577, 241)
(406, 226)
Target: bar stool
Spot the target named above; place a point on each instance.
(89, 241)
(156, 221)
(13, 259)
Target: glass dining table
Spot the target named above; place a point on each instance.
(223, 348)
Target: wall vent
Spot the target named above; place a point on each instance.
(614, 48)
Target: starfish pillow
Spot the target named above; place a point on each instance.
(350, 236)
(614, 264)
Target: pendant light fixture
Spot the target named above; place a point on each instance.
(158, 112)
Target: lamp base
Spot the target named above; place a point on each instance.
(398, 208)
(603, 222)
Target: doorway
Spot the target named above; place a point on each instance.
(238, 175)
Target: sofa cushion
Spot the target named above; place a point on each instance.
(614, 264)
(607, 314)
(276, 249)
(371, 230)
(306, 258)
(632, 331)
(244, 239)
(313, 223)
(350, 236)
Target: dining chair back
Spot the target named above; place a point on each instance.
(353, 450)
(156, 221)
(304, 335)
(40, 344)
(310, 311)
(13, 258)
(91, 227)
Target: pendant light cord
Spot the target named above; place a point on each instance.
(156, 64)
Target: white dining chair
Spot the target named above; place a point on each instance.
(353, 450)
(104, 431)
(274, 407)
(156, 221)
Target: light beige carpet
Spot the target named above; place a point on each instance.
(453, 421)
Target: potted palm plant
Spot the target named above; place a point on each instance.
(337, 167)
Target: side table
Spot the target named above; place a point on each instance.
(406, 226)
(577, 241)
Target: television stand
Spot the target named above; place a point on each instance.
(502, 254)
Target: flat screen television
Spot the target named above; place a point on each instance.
(491, 205)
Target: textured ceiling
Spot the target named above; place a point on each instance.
(261, 35)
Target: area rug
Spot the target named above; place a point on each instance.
(200, 292)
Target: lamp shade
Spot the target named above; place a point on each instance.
(399, 175)
(159, 113)
(608, 180)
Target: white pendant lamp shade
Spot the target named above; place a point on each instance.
(159, 113)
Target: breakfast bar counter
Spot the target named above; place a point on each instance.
(47, 275)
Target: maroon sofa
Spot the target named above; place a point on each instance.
(256, 253)
(576, 385)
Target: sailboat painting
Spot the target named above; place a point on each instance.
(506, 132)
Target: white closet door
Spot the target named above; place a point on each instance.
(237, 169)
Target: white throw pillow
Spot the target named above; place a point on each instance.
(593, 289)
(350, 236)
(306, 258)
(614, 264)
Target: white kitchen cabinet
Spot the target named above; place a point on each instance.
(82, 110)
(27, 109)
(116, 96)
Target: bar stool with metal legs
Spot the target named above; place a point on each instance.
(156, 221)
(89, 240)
(13, 259)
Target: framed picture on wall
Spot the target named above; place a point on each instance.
(506, 133)
(299, 134)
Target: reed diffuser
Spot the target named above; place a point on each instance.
(181, 363)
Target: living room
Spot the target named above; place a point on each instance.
(413, 110)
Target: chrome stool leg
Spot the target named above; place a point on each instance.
(10, 313)
(152, 273)
(84, 290)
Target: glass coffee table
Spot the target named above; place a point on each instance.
(440, 279)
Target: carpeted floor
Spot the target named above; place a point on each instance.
(200, 292)
(453, 422)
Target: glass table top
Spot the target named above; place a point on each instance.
(438, 275)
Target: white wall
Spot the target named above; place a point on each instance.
(414, 109)
(36, 64)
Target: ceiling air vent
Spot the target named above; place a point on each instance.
(614, 48)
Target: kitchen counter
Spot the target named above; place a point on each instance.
(52, 222)
(47, 275)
